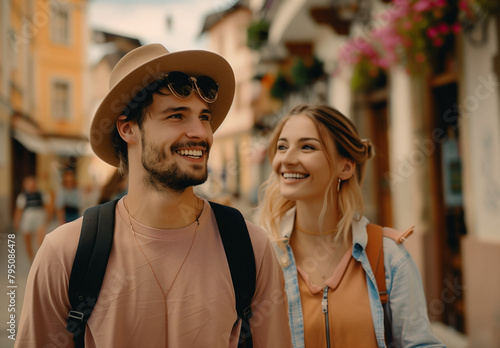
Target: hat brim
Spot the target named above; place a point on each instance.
(194, 63)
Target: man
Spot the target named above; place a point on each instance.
(167, 282)
(68, 199)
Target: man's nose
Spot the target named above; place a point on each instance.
(198, 129)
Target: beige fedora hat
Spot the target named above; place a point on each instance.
(140, 67)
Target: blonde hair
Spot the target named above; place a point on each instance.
(333, 127)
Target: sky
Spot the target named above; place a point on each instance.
(148, 20)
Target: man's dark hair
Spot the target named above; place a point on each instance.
(135, 112)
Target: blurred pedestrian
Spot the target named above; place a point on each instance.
(31, 213)
(68, 199)
(313, 211)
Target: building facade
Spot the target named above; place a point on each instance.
(43, 86)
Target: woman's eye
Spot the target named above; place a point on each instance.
(281, 147)
(308, 147)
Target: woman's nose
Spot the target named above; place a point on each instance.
(290, 157)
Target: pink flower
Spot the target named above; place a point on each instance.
(400, 9)
(422, 5)
(438, 42)
(432, 32)
(463, 5)
(417, 18)
(443, 28)
(383, 63)
(456, 27)
(349, 53)
(407, 25)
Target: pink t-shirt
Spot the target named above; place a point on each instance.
(130, 311)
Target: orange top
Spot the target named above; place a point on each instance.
(350, 319)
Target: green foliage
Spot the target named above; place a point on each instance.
(281, 87)
(367, 77)
(304, 75)
(301, 75)
(257, 34)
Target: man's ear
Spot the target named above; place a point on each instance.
(126, 129)
(348, 168)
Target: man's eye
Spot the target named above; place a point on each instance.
(205, 118)
(175, 116)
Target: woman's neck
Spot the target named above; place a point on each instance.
(308, 218)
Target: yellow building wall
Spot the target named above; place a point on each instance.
(60, 61)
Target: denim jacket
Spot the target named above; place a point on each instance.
(410, 323)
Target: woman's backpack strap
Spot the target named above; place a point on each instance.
(375, 253)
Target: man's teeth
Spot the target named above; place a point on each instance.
(191, 153)
(294, 176)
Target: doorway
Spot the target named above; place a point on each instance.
(447, 303)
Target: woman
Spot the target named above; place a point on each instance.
(313, 208)
(31, 216)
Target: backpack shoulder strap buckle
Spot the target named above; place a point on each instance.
(398, 237)
(75, 315)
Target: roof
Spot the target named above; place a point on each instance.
(215, 17)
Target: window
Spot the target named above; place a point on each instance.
(61, 100)
(60, 26)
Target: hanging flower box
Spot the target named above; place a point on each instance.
(416, 35)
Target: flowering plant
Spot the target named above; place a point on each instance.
(413, 34)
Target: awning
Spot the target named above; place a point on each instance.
(33, 140)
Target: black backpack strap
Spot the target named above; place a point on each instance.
(89, 266)
(240, 257)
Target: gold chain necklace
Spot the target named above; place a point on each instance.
(164, 293)
(300, 229)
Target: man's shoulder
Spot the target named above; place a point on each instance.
(256, 232)
(64, 239)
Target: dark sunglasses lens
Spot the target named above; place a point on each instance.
(180, 82)
(208, 87)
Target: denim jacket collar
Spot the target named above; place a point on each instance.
(359, 234)
(359, 237)
(286, 224)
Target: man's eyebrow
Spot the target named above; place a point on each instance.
(301, 140)
(183, 108)
(174, 109)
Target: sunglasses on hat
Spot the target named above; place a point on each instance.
(182, 85)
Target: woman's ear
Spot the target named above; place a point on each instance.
(348, 168)
(126, 130)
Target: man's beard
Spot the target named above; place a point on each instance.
(171, 178)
